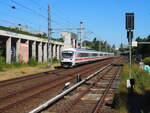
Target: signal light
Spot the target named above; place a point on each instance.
(129, 21)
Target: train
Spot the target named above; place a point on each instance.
(72, 57)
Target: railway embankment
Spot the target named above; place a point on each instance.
(139, 100)
(18, 70)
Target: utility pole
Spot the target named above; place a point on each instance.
(130, 53)
(49, 39)
(85, 40)
(81, 28)
(130, 28)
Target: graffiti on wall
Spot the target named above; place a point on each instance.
(24, 52)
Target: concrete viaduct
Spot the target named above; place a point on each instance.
(11, 43)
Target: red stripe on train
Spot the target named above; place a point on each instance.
(86, 58)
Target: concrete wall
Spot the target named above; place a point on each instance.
(38, 46)
(70, 40)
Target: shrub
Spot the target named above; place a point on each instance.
(16, 64)
(32, 62)
(2, 63)
(142, 83)
(147, 60)
(55, 60)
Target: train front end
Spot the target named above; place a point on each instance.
(67, 58)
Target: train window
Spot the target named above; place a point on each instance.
(79, 55)
(67, 54)
(83, 54)
(94, 54)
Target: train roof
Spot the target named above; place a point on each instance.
(85, 50)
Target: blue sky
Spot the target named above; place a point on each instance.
(106, 18)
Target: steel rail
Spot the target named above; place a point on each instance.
(102, 99)
(10, 105)
(56, 98)
(25, 78)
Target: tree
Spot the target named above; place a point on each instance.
(113, 47)
(121, 48)
(142, 49)
(97, 45)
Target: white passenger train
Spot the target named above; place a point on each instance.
(73, 56)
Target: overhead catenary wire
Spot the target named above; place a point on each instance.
(20, 20)
(27, 8)
(29, 11)
(53, 13)
(35, 12)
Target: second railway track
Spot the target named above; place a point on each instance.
(16, 97)
(90, 97)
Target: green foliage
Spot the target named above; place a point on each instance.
(58, 39)
(2, 63)
(32, 62)
(146, 60)
(142, 83)
(55, 60)
(142, 78)
(98, 45)
(142, 49)
(16, 64)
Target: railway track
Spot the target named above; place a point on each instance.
(33, 76)
(31, 94)
(43, 78)
(90, 97)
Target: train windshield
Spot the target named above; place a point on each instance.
(67, 54)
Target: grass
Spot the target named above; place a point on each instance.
(146, 60)
(16, 69)
(2, 63)
(141, 90)
(32, 62)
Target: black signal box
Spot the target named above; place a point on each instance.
(129, 21)
(129, 34)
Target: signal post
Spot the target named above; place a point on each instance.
(130, 28)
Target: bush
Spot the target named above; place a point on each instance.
(16, 64)
(147, 60)
(55, 60)
(2, 63)
(32, 62)
(142, 84)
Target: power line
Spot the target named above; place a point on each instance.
(22, 20)
(53, 13)
(7, 22)
(29, 11)
(33, 11)
(28, 8)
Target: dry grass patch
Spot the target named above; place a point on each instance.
(22, 71)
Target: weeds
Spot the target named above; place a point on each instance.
(142, 83)
(32, 62)
(2, 63)
(146, 60)
(55, 60)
